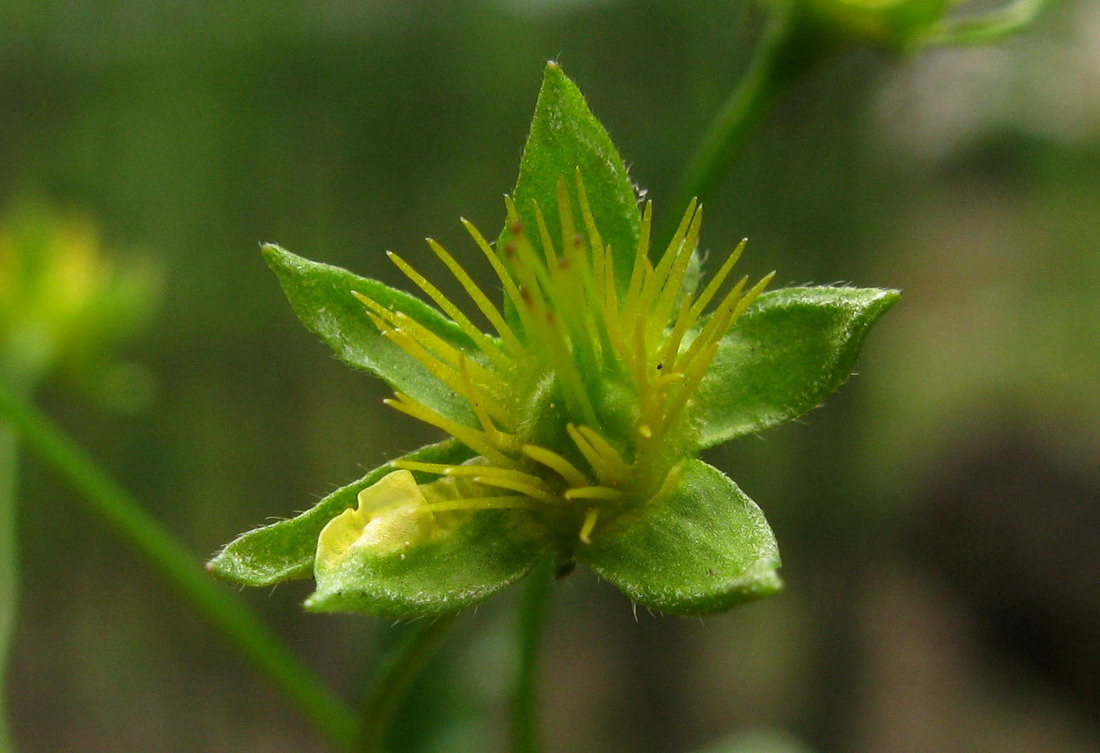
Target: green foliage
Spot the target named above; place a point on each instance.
(465, 563)
(576, 423)
(322, 297)
(285, 550)
(565, 138)
(787, 353)
(702, 546)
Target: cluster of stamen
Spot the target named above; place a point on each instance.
(576, 322)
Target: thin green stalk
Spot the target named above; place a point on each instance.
(525, 703)
(395, 678)
(240, 626)
(9, 569)
(784, 53)
(984, 28)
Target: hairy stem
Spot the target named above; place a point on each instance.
(395, 678)
(525, 702)
(238, 624)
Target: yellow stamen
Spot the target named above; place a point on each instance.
(477, 398)
(589, 524)
(556, 463)
(641, 261)
(593, 492)
(610, 454)
(472, 438)
(479, 298)
(530, 490)
(510, 288)
(487, 346)
(503, 502)
(716, 282)
(469, 471)
(594, 240)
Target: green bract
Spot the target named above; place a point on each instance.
(577, 422)
(905, 25)
(896, 24)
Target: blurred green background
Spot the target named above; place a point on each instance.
(940, 518)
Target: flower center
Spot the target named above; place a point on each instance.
(581, 399)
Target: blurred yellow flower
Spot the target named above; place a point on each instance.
(64, 303)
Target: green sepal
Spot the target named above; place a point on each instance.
(565, 136)
(466, 564)
(285, 550)
(321, 296)
(701, 546)
(787, 352)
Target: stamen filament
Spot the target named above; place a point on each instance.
(684, 320)
(716, 281)
(472, 438)
(503, 502)
(714, 324)
(641, 262)
(479, 298)
(610, 454)
(556, 463)
(672, 283)
(481, 473)
(477, 398)
(565, 215)
(510, 288)
(602, 457)
(588, 525)
(595, 242)
(529, 490)
(593, 492)
(486, 345)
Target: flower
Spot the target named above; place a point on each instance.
(575, 425)
(65, 303)
(583, 402)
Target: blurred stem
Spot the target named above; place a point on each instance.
(402, 667)
(788, 49)
(532, 617)
(239, 625)
(9, 568)
(986, 27)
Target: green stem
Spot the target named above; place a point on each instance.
(395, 678)
(785, 52)
(9, 569)
(230, 615)
(986, 27)
(525, 708)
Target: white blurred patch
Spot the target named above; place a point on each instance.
(1045, 83)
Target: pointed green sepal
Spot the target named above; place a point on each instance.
(399, 555)
(699, 546)
(285, 550)
(787, 353)
(565, 136)
(322, 297)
